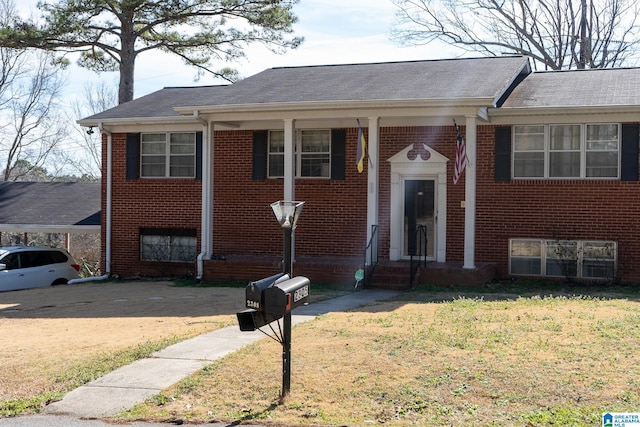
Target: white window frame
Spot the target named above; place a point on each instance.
(168, 155)
(300, 155)
(584, 151)
(577, 251)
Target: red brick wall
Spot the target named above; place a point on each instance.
(553, 209)
(333, 221)
(154, 203)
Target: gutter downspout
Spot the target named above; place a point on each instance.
(108, 214)
(206, 246)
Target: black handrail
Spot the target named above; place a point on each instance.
(418, 244)
(372, 250)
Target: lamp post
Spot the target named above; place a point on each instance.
(287, 214)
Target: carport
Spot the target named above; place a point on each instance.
(49, 207)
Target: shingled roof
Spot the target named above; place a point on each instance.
(481, 79)
(613, 87)
(59, 206)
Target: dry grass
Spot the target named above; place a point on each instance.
(511, 362)
(48, 334)
(57, 338)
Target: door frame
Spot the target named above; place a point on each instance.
(418, 161)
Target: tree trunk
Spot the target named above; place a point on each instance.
(127, 57)
(584, 42)
(127, 67)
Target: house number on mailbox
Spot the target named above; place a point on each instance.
(301, 293)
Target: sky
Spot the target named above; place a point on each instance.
(335, 32)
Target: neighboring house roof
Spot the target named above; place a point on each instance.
(50, 206)
(612, 87)
(482, 81)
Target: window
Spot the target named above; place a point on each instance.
(566, 151)
(161, 245)
(528, 151)
(312, 154)
(276, 153)
(33, 258)
(11, 261)
(526, 257)
(168, 155)
(598, 259)
(602, 146)
(563, 258)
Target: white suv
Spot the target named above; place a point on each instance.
(23, 267)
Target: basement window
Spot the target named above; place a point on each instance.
(168, 244)
(583, 259)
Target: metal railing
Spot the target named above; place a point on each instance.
(417, 247)
(370, 257)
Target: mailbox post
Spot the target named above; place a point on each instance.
(279, 300)
(287, 214)
(273, 298)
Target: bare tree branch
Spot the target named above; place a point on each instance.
(556, 34)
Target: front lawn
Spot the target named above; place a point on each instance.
(431, 358)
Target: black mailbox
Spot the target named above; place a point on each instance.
(250, 319)
(254, 290)
(283, 297)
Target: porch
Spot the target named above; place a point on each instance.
(341, 271)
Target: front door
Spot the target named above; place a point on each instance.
(419, 218)
(418, 197)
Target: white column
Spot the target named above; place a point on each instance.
(289, 169)
(373, 178)
(470, 194)
(289, 160)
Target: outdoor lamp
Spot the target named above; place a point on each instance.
(287, 214)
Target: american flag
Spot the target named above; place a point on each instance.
(461, 156)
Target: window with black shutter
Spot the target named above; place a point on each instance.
(318, 154)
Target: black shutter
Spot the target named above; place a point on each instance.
(199, 155)
(133, 156)
(629, 161)
(338, 147)
(502, 167)
(260, 142)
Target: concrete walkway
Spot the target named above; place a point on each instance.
(133, 384)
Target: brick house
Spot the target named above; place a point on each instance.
(550, 189)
